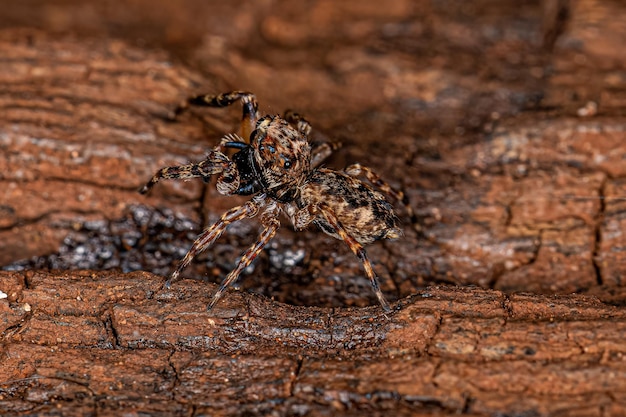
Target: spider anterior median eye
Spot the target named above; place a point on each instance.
(287, 164)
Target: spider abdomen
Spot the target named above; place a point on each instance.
(363, 212)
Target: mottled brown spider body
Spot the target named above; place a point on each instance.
(363, 212)
(280, 169)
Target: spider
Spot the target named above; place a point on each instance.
(280, 169)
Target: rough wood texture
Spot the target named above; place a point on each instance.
(504, 124)
(102, 342)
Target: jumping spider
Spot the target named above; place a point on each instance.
(279, 168)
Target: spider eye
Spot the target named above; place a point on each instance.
(287, 164)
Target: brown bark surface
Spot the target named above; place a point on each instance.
(99, 343)
(503, 124)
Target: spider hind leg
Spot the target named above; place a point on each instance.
(359, 251)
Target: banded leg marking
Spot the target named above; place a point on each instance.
(359, 251)
(298, 121)
(215, 163)
(250, 106)
(212, 233)
(249, 255)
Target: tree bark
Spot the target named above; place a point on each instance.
(105, 342)
(531, 203)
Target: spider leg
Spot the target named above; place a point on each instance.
(269, 230)
(215, 163)
(358, 250)
(321, 151)
(248, 100)
(357, 169)
(212, 233)
(297, 120)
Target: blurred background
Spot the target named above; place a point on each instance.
(443, 65)
(482, 111)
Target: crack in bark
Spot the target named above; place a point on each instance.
(506, 306)
(111, 330)
(296, 374)
(434, 334)
(595, 254)
(17, 327)
(176, 381)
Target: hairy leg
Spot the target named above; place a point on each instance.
(269, 230)
(215, 163)
(298, 121)
(248, 100)
(213, 232)
(359, 251)
(321, 151)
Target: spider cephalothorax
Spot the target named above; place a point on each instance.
(282, 156)
(279, 168)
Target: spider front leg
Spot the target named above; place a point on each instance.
(215, 163)
(357, 169)
(248, 100)
(358, 250)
